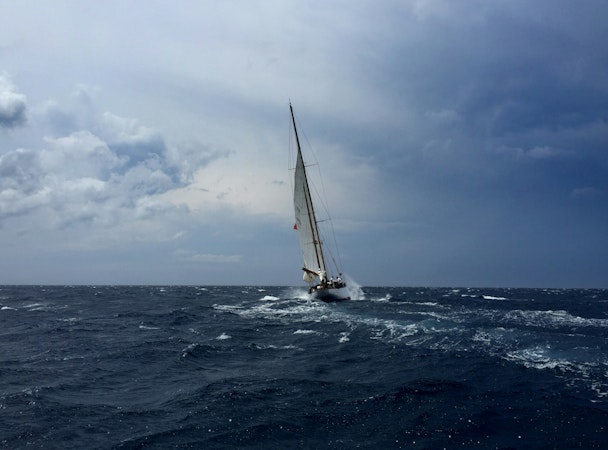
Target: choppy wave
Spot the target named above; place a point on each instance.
(551, 318)
(268, 367)
(504, 333)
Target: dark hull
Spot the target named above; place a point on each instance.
(331, 295)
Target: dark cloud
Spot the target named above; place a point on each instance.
(474, 77)
(499, 135)
(504, 68)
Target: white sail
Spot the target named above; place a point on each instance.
(314, 268)
(306, 222)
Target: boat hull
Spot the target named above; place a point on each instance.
(331, 295)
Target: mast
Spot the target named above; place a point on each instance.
(311, 211)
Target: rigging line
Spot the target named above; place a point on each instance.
(290, 163)
(322, 196)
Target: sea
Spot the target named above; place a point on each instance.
(267, 367)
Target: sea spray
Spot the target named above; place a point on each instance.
(355, 290)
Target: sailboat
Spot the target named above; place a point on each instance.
(322, 285)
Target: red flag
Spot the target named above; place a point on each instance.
(295, 226)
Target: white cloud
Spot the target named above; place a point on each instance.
(79, 154)
(539, 152)
(426, 9)
(13, 104)
(585, 192)
(544, 152)
(99, 172)
(189, 256)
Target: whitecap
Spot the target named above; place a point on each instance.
(384, 299)
(34, 306)
(490, 297)
(186, 351)
(305, 332)
(223, 336)
(278, 347)
(600, 389)
(269, 298)
(5, 308)
(553, 318)
(344, 337)
(540, 358)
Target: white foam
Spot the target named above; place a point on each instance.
(297, 293)
(485, 297)
(33, 306)
(553, 318)
(280, 310)
(229, 308)
(541, 358)
(186, 351)
(223, 337)
(392, 330)
(600, 389)
(384, 299)
(278, 347)
(305, 332)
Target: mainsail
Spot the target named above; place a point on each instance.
(306, 222)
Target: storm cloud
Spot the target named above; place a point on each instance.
(461, 143)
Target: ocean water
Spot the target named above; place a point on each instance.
(125, 367)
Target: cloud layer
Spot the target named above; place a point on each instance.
(460, 142)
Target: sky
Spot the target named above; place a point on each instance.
(460, 143)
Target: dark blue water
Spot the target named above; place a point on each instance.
(250, 367)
